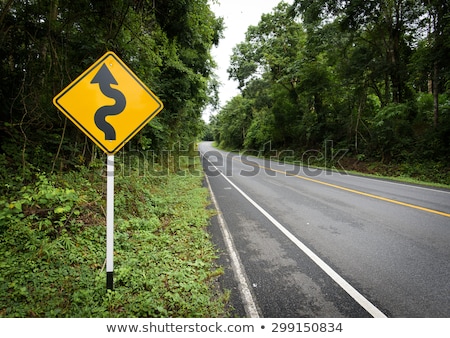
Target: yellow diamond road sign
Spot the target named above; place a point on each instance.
(108, 103)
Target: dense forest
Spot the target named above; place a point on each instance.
(371, 77)
(46, 44)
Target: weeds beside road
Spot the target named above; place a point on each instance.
(53, 243)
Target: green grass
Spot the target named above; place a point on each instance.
(53, 244)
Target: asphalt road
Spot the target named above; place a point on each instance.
(299, 242)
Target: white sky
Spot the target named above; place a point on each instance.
(238, 16)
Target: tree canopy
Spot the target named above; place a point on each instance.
(372, 76)
(46, 44)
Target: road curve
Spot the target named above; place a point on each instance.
(292, 227)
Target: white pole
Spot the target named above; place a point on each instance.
(109, 221)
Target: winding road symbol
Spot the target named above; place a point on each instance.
(109, 103)
(105, 79)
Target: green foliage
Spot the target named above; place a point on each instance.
(234, 122)
(44, 45)
(370, 76)
(263, 125)
(52, 246)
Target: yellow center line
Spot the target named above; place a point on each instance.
(432, 211)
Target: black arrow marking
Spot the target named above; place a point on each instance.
(105, 79)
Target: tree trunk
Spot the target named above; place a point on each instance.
(436, 94)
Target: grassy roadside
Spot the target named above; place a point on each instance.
(52, 244)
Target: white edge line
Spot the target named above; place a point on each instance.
(358, 297)
(247, 297)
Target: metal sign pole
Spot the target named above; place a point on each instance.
(109, 221)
